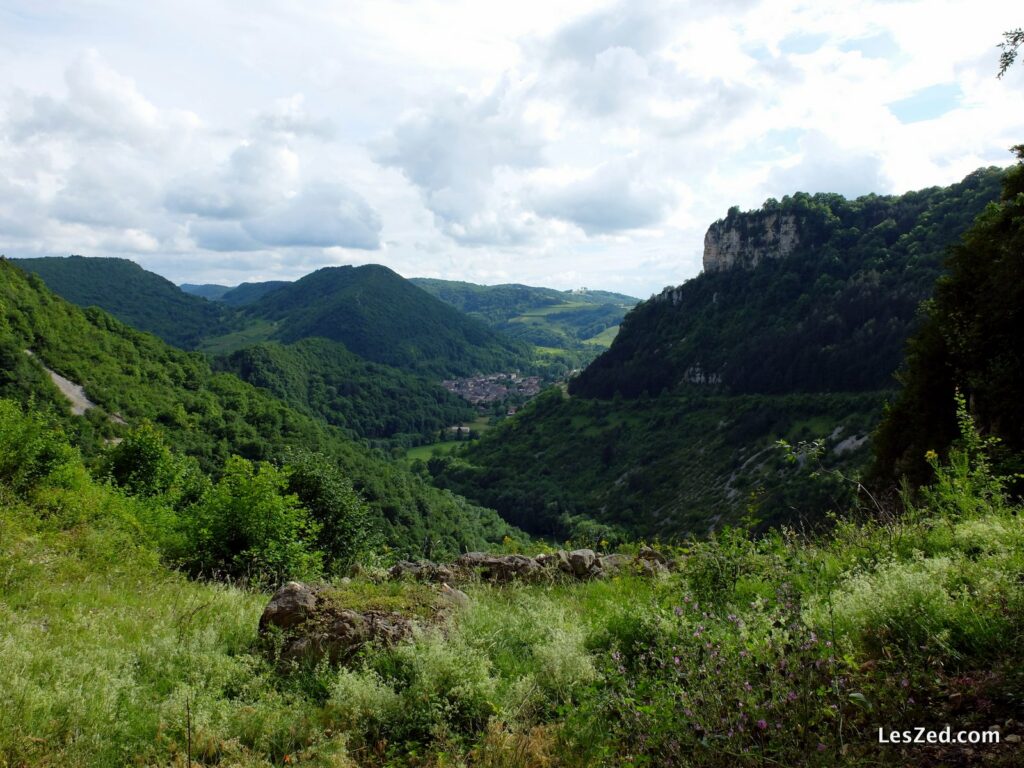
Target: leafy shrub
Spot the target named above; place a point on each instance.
(32, 449)
(248, 526)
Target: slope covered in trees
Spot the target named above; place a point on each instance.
(971, 340)
(673, 429)
(325, 380)
(830, 316)
(204, 414)
(541, 316)
(141, 299)
(381, 316)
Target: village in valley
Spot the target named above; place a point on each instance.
(494, 387)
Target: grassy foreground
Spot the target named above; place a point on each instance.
(779, 650)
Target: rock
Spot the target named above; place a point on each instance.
(744, 240)
(652, 555)
(421, 570)
(616, 562)
(651, 568)
(292, 604)
(500, 568)
(583, 562)
(454, 597)
(1013, 738)
(312, 627)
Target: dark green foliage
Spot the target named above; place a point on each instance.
(382, 317)
(246, 293)
(346, 527)
(541, 316)
(141, 299)
(209, 415)
(832, 316)
(972, 339)
(208, 291)
(33, 448)
(658, 467)
(371, 400)
(249, 526)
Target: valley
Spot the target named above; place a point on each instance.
(490, 547)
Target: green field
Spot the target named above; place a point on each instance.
(423, 452)
(604, 338)
(256, 332)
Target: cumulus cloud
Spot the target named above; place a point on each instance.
(615, 197)
(289, 117)
(823, 166)
(454, 153)
(255, 176)
(557, 144)
(100, 104)
(323, 215)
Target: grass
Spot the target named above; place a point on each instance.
(781, 649)
(423, 452)
(254, 333)
(604, 338)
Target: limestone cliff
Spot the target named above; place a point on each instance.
(744, 240)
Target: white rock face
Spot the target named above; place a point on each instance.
(746, 240)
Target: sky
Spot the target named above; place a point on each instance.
(557, 143)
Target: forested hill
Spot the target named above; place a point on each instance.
(810, 294)
(542, 316)
(237, 296)
(207, 415)
(323, 379)
(142, 299)
(383, 317)
(794, 331)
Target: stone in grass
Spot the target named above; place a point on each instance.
(313, 623)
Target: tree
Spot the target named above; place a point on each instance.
(971, 341)
(249, 526)
(1012, 41)
(346, 529)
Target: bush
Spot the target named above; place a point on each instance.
(247, 526)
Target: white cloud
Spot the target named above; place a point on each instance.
(549, 141)
(326, 215)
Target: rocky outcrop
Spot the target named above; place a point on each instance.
(745, 240)
(577, 564)
(308, 625)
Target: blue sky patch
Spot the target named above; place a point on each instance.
(879, 46)
(927, 103)
(803, 43)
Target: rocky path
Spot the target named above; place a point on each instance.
(73, 392)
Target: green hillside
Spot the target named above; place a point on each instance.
(786, 649)
(541, 316)
(323, 379)
(673, 429)
(141, 299)
(246, 293)
(205, 414)
(384, 318)
(233, 296)
(831, 316)
(209, 291)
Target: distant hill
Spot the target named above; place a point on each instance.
(142, 299)
(794, 331)
(236, 296)
(813, 294)
(206, 414)
(247, 293)
(383, 317)
(541, 316)
(323, 379)
(208, 291)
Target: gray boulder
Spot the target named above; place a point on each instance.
(314, 627)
